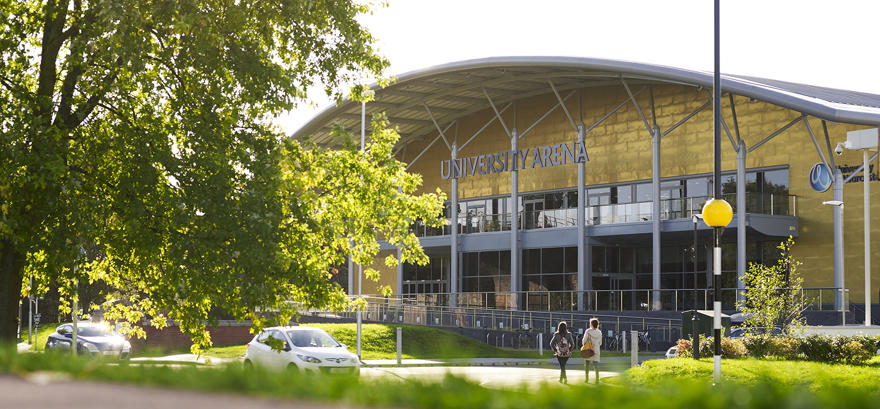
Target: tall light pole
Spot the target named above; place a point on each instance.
(717, 213)
(865, 140)
(361, 267)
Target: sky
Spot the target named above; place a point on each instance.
(826, 43)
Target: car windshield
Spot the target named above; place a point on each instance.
(311, 338)
(93, 331)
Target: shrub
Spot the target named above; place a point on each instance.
(784, 347)
(851, 352)
(871, 344)
(684, 349)
(758, 346)
(730, 348)
(817, 348)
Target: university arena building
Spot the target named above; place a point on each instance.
(572, 182)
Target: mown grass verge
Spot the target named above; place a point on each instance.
(811, 375)
(448, 393)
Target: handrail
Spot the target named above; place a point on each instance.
(612, 213)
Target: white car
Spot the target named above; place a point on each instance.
(671, 352)
(302, 348)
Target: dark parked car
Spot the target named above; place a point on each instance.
(91, 339)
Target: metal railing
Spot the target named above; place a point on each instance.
(816, 299)
(670, 209)
(529, 323)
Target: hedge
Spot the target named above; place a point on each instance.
(850, 350)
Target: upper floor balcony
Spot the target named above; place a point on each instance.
(771, 204)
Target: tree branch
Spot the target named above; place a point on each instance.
(51, 45)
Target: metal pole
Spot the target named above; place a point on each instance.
(399, 345)
(514, 215)
(582, 283)
(696, 338)
(717, 178)
(867, 177)
(634, 354)
(655, 216)
(361, 267)
(30, 310)
(740, 217)
(453, 244)
(838, 240)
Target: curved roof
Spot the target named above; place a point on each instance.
(455, 90)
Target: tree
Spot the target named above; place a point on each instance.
(773, 295)
(136, 149)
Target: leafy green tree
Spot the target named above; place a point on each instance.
(136, 148)
(773, 295)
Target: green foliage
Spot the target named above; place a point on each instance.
(757, 345)
(138, 151)
(817, 348)
(730, 348)
(850, 350)
(773, 294)
(684, 348)
(817, 376)
(670, 383)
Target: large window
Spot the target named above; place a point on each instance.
(428, 279)
(549, 269)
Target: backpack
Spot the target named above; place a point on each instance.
(563, 349)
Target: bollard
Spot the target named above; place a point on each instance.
(541, 344)
(399, 345)
(634, 356)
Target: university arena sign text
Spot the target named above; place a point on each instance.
(529, 158)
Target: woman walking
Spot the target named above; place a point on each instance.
(561, 344)
(595, 336)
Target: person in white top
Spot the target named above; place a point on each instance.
(595, 336)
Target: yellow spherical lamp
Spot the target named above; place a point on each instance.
(717, 213)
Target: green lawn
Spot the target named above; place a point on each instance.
(813, 375)
(448, 393)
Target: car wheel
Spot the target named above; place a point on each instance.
(291, 367)
(248, 364)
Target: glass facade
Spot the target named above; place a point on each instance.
(767, 192)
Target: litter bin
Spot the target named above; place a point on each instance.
(705, 323)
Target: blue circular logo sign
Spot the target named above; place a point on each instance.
(820, 177)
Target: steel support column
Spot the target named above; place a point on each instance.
(582, 283)
(866, 174)
(740, 217)
(453, 242)
(514, 223)
(655, 217)
(838, 239)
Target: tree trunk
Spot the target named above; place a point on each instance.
(11, 265)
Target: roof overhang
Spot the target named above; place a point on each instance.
(456, 90)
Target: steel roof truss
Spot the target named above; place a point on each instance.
(448, 146)
(815, 144)
(773, 135)
(562, 104)
(735, 120)
(429, 145)
(686, 118)
(538, 121)
(497, 114)
(828, 143)
(489, 122)
(636, 103)
(608, 115)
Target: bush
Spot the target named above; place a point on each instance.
(871, 344)
(684, 349)
(758, 346)
(730, 348)
(850, 352)
(784, 347)
(817, 348)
